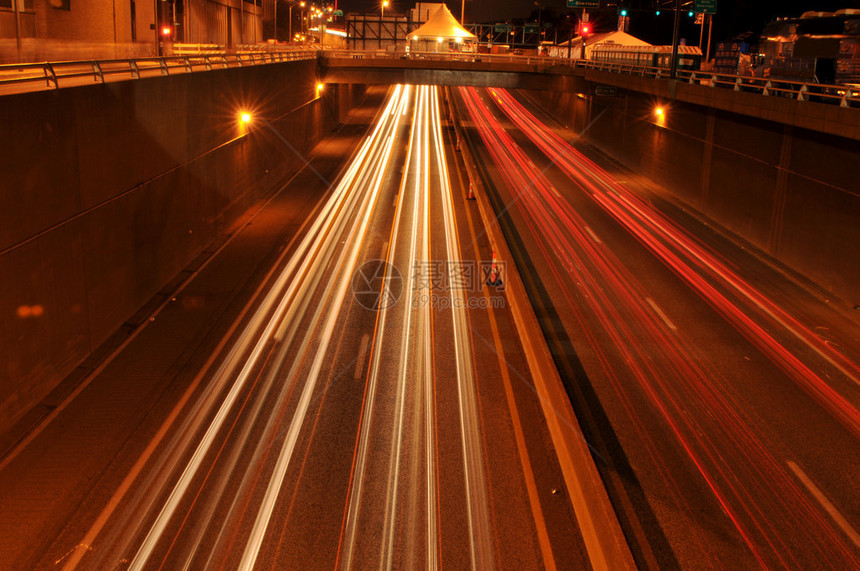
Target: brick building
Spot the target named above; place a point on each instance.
(55, 30)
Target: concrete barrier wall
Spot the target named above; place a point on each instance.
(791, 192)
(109, 191)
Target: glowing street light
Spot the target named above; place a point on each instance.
(384, 6)
(660, 116)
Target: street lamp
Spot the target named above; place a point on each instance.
(302, 14)
(384, 6)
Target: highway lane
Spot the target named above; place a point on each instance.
(689, 373)
(358, 404)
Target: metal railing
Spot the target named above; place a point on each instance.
(540, 61)
(23, 77)
(53, 75)
(835, 94)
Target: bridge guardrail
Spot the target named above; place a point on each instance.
(839, 94)
(436, 56)
(29, 76)
(835, 94)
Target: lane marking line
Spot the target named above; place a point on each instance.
(825, 503)
(362, 350)
(522, 448)
(660, 313)
(593, 235)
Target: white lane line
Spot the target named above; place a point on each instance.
(362, 350)
(662, 315)
(363, 444)
(477, 504)
(593, 235)
(825, 503)
(303, 258)
(356, 236)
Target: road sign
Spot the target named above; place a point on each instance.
(705, 6)
(502, 28)
(584, 3)
(606, 90)
(530, 29)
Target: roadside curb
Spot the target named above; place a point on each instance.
(604, 540)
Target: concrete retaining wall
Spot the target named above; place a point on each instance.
(109, 191)
(791, 192)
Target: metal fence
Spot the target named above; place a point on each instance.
(53, 75)
(18, 78)
(834, 94)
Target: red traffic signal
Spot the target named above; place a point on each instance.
(585, 29)
(166, 30)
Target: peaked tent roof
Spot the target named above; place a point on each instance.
(618, 38)
(441, 24)
(605, 39)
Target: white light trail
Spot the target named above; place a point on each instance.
(480, 531)
(265, 321)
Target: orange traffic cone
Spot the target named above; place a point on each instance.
(471, 195)
(495, 277)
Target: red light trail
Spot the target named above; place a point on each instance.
(720, 441)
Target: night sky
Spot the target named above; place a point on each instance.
(733, 17)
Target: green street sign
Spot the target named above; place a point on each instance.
(705, 6)
(584, 3)
(531, 28)
(502, 28)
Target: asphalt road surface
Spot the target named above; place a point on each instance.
(719, 395)
(333, 385)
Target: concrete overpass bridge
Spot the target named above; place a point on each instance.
(477, 70)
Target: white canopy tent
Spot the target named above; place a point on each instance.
(441, 33)
(575, 50)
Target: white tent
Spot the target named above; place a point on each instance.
(611, 38)
(441, 33)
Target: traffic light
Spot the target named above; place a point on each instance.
(623, 10)
(166, 31)
(585, 29)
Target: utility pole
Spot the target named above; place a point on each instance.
(675, 34)
(710, 29)
(701, 31)
(583, 32)
(570, 39)
(18, 27)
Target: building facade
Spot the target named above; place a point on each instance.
(57, 30)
